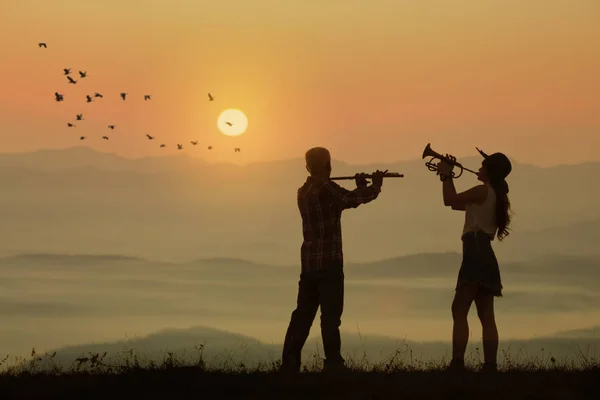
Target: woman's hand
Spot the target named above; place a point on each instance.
(445, 168)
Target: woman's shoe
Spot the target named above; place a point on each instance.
(489, 367)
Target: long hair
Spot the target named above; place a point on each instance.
(502, 208)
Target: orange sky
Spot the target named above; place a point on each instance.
(374, 81)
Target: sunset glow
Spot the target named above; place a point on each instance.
(458, 74)
(232, 122)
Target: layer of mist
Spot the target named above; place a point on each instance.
(50, 300)
(178, 208)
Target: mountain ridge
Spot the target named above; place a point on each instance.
(174, 211)
(221, 346)
(70, 256)
(431, 257)
(84, 153)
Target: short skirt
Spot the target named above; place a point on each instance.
(479, 265)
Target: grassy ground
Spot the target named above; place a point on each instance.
(93, 377)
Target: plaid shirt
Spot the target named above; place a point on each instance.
(321, 203)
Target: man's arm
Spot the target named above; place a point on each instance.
(345, 198)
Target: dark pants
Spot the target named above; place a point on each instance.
(323, 288)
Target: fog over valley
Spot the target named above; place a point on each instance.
(51, 301)
(98, 249)
(180, 208)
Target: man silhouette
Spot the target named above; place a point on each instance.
(321, 202)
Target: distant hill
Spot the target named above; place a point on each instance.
(576, 239)
(62, 259)
(415, 265)
(227, 348)
(53, 300)
(592, 332)
(178, 208)
(567, 268)
(85, 157)
(420, 282)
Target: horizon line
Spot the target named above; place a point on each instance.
(17, 254)
(24, 254)
(87, 148)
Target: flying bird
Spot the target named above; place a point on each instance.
(98, 95)
(88, 98)
(209, 147)
(105, 137)
(146, 97)
(67, 71)
(210, 98)
(58, 96)
(70, 125)
(42, 44)
(149, 137)
(123, 95)
(229, 123)
(163, 145)
(82, 138)
(237, 149)
(194, 142)
(111, 126)
(71, 80)
(179, 146)
(79, 117)
(83, 74)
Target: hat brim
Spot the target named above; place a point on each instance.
(484, 155)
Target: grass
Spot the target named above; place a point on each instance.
(399, 376)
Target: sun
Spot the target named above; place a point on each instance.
(232, 122)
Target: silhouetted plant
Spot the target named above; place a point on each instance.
(402, 360)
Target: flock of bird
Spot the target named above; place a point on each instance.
(89, 98)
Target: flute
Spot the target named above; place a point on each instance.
(367, 176)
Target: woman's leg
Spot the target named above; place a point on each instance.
(463, 298)
(485, 311)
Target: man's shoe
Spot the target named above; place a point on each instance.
(335, 368)
(456, 366)
(289, 369)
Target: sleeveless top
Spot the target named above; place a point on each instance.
(482, 217)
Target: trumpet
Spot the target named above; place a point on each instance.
(367, 176)
(428, 152)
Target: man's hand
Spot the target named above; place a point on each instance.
(377, 177)
(361, 181)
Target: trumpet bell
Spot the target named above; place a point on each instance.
(427, 152)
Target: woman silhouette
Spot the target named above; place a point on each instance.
(486, 209)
